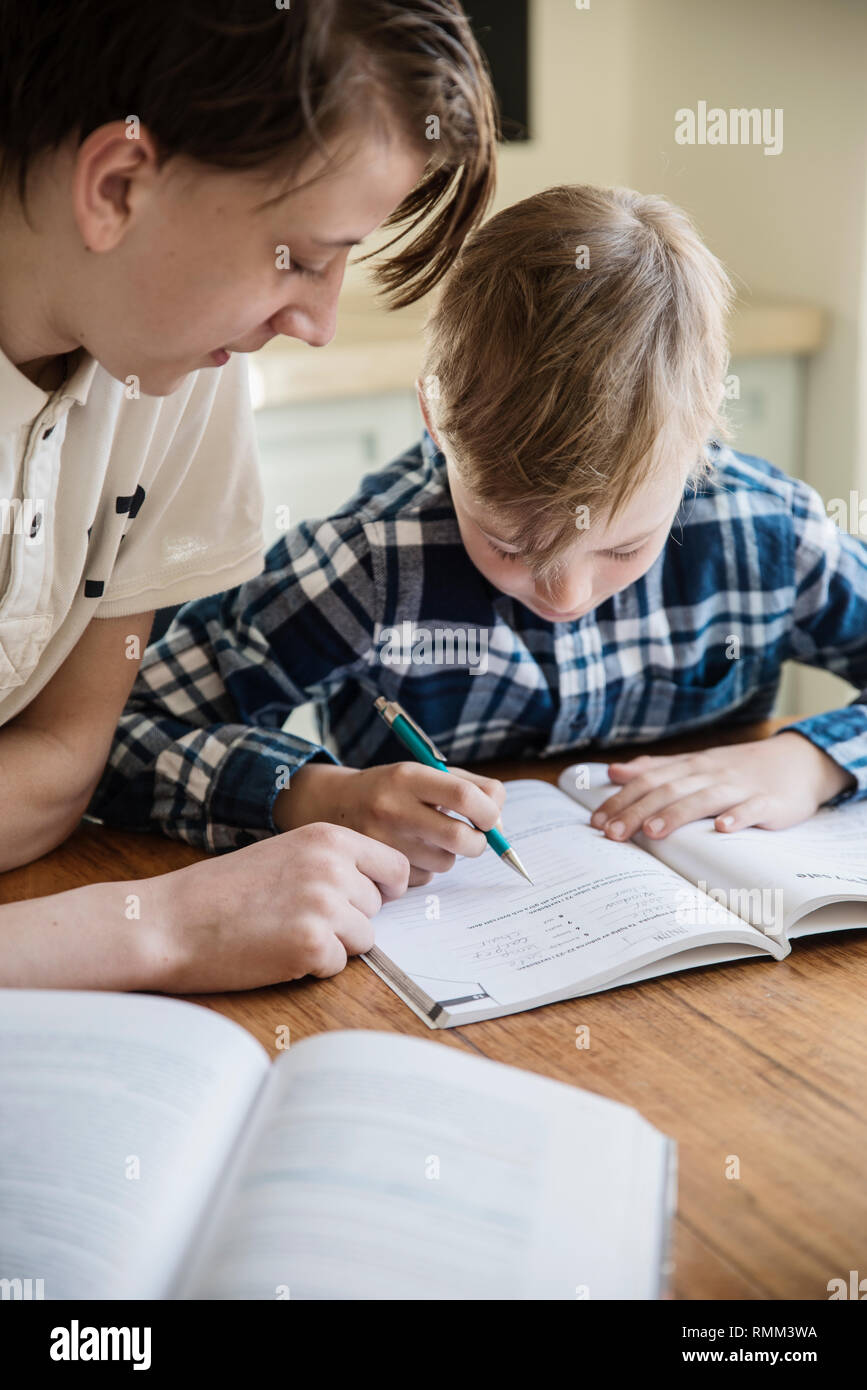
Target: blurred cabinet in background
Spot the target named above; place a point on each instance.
(766, 418)
(313, 453)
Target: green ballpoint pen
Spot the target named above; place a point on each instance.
(425, 751)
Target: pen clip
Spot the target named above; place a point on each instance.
(391, 710)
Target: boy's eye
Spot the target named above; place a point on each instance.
(304, 270)
(506, 554)
(621, 554)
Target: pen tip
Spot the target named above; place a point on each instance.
(514, 862)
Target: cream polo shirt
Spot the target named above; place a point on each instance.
(111, 505)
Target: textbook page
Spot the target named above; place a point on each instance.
(482, 942)
(386, 1167)
(771, 878)
(118, 1113)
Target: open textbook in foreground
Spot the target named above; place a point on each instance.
(477, 942)
(150, 1149)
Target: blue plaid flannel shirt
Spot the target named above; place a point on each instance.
(381, 599)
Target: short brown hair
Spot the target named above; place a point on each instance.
(580, 331)
(241, 84)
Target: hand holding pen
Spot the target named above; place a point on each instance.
(417, 742)
(398, 803)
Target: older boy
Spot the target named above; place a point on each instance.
(149, 194)
(622, 580)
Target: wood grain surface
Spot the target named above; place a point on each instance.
(763, 1062)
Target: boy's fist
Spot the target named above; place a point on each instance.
(288, 906)
(402, 804)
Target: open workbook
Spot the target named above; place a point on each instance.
(478, 942)
(150, 1149)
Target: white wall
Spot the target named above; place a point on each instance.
(581, 110)
(790, 226)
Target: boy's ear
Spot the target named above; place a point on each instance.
(426, 413)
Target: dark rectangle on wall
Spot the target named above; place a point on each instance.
(502, 30)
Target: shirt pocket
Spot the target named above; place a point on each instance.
(22, 642)
(660, 707)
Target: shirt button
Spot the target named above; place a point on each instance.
(48, 432)
(35, 525)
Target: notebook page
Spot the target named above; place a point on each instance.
(388, 1167)
(117, 1115)
(596, 910)
(768, 877)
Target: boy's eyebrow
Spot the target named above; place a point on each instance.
(349, 241)
(499, 540)
(624, 545)
(621, 545)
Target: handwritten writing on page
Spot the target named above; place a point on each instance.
(595, 909)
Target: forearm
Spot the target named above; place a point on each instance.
(313, 795)
(43, 794)
(53, 751)
(842, 736)
(103, 936)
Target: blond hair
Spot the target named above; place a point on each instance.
(579, 339)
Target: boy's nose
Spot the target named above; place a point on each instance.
(567, 592)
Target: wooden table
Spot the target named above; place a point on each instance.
(763, 1061)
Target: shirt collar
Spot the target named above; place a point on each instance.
(21, 401)
(430, 452)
